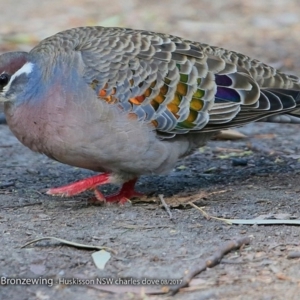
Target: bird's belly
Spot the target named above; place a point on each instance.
(91, 136)
(94, 136)
(66, 135)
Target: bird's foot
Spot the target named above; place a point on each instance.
(125, 194)
(80, 186)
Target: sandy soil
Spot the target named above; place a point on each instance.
(148, 242)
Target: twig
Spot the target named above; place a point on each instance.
(167, 208)
(210, 262)
(141, 227)
(219, 192)
(207, 216)
(247, 222)
(73, 244)
(21, 206)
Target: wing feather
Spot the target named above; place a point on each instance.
(176, 85)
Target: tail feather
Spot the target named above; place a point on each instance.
(286, 100)
(274, 105)
(292, 115)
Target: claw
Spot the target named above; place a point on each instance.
(125, 194)
(99, 196)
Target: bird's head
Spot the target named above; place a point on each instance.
(14, 71)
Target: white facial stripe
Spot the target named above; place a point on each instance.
(26, 69)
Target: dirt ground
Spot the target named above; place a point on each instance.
(148, 243)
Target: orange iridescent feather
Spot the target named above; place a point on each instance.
(196, 103)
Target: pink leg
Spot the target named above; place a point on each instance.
(80, 186)
(127, 191)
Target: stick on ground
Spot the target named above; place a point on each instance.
(167, 208)
(212, 261)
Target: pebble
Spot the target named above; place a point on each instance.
(239, 162)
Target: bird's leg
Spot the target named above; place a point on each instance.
(125, 194)
(80, 186)
(127, 191)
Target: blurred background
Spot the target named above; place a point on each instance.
(267, 30)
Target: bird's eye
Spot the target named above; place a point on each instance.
(4, 79)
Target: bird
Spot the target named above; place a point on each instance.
(126, 103)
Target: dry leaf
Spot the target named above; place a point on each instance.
(100, 258)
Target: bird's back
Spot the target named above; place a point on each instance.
(177, 85)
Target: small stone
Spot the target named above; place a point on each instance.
(239, 162)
